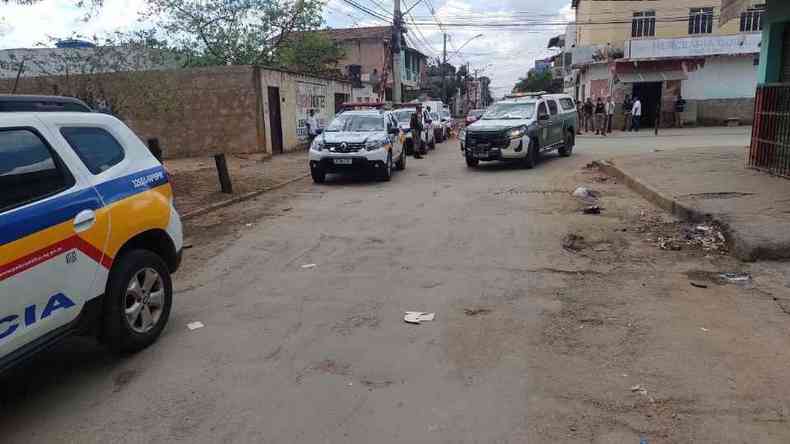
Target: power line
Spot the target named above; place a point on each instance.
(364, 9)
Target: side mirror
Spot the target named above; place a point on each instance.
(318, 131)
(543, 117)
(394, 130)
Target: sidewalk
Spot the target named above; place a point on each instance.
(713, 183)
(196, 185)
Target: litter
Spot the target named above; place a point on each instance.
(195, 325)
(736, 277)
(416, 317)
(306, 266)
(694, 284)
(187, 246)
(573, 242)
(585, 193)
(595, 209)
(248, 225)
(476, 311)
(703, 329)
(639, 389)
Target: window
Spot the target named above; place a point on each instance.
(97, 148)
(567, 104)
(752, 19)
(643, 24)
(542, 109)
(552, 107)
(700, 20)
(28, 169)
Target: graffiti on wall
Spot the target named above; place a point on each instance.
(309, 96)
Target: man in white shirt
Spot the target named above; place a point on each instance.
(610, 106)
(312, 125)
(636, 112)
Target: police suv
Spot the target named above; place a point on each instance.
(360, 141)
(521, 128)
(89, 236)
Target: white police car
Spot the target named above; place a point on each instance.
(89, 236)
(358, 141)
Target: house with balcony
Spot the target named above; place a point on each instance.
(367, 60)
(660, 49)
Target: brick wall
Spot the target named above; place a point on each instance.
(717, 111)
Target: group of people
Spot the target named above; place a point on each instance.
(598, 116)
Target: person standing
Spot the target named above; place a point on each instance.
(579, 117)
(416, 132)
(627, 105)
(312, 125)
(636, 113)
(610, 107)
(600, 117)
(588, 114)
(680, 107)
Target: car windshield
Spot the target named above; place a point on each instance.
(355, 122)
(446, 114)
(434, 116)
(510, 111)
(404, 116)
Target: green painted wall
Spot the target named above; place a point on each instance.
(776, 19)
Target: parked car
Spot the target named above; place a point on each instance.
(358, 142)
(521, 129)
(403, 116)
(20, 103)
(89, 236)
(474, 115)
(438, 127)
(447, 123)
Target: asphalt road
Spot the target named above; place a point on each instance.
(532, 342)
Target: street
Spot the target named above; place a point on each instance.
(604, 341)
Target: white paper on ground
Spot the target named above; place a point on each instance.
(415, 317)
(195, 325)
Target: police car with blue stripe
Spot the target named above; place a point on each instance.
(89, 236)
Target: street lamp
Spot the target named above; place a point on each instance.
(467, 42)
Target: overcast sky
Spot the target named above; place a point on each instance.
(503, 55)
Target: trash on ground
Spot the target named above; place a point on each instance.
(195, 325)
(639, 389)
(595, 209)
(309, 266)
(187, 246)
(694, 284)
(416, 317)
(670, 244)
(573, 242)
(705, 237)
(736, 277)
(585, 193)
(287, 209)
(248, 225)
(476, 311)
(703, 329)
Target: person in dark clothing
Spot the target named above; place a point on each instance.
(600, 117)
(627, 120)
(579, 117)
(588, 114)
(416, 132)
(680, 107)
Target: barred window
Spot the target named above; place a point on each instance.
(643, 24)
(700, 20)
(752, 19)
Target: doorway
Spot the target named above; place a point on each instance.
(340, 99)
(275, 120)
(650, 95)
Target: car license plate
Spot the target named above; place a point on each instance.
(342, 161)
(483, 146)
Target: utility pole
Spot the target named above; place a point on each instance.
(396, 45)
(444, 65)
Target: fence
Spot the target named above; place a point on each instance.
(770, 145)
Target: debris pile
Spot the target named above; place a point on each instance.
(705, 237)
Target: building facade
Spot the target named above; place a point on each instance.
(658, 50)
(367, 54)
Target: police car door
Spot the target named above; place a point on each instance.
(47, 263)
(544, 125)
(395, 139)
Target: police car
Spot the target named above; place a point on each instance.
(89, 236)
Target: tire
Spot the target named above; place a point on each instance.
(568, 143)
(319, 176)
(471, 162)
(432, 144)
(401, 163)
(124, 330)
(532, 155)
(386, 173)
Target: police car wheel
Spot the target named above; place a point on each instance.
(532, 155)
(401, 164)
(319, 176)
(567, 145)
(386, 173)
(137, 302)
(471, 162)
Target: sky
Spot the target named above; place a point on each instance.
(504, 55)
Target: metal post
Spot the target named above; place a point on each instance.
(224, 175)
(444, 64)
(396, 50)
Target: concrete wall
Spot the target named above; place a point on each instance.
(722, 78)
(623, 10)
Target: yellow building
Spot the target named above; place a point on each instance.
(660, 49)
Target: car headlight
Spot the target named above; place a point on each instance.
(374, 145)
(517, 133)
(317, 145)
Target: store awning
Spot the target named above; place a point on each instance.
(651, 76)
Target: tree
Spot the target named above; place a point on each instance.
(538, 81)
(234, 32)
(310, 53)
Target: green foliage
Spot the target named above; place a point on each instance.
(310, 53)
(538, 81)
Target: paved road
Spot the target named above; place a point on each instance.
(531, 342)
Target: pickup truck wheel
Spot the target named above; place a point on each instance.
(386, 173)
(432, 145)
(567, 144)
(137, 301)
(401, 163)
(319, 176)
(471, 162)
(532, 155)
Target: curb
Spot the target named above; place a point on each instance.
(740, 248)
(237, 199)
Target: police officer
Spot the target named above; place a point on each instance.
(416, 132)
